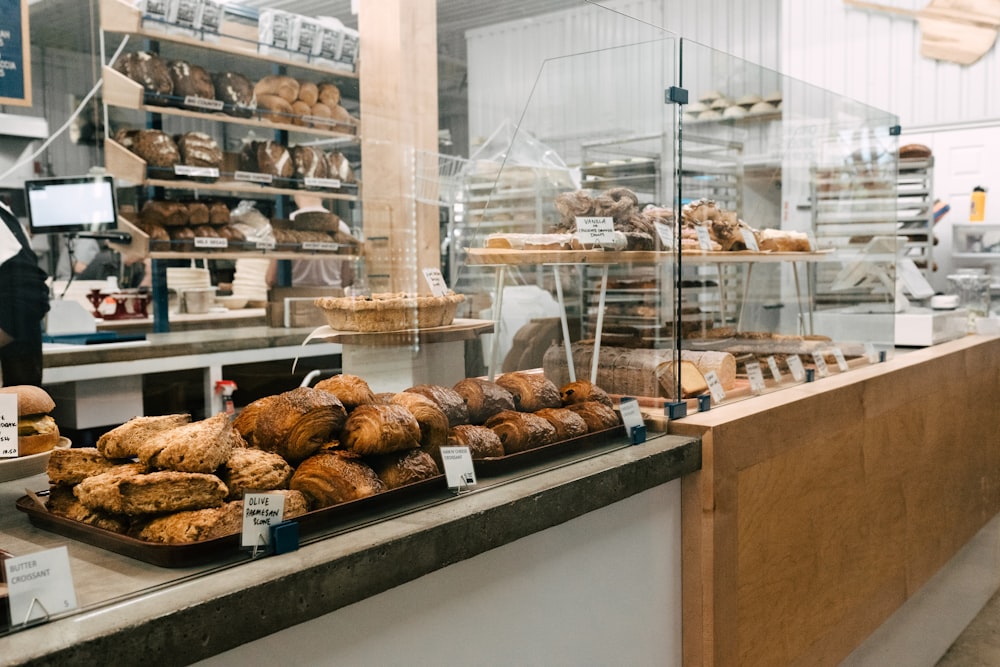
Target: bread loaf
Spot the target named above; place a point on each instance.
(380, 429)
(520, 431)
(165, 213)
(274, 159)
(218, 213)
(482, 442)
(197, 213)
(275, 108)
(124, 441)
(351, 390)
(405, 467)
(205, 231)
(450, 402)
(483, 398)
(156, 233)
(198, 149)
(567, 423)
(309, 162)
(531, 391)
(329, 94)
(299, 109)
(321, 116)
(308, 93)
(298, 422)
(156, 148)
(200, 446)
(151, 71)
(191, 80)
(236, 91)
(338, 167)
(283, 86)
(331, 477)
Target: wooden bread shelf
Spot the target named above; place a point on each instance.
(497, 256)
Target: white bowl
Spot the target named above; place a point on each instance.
(234, 302)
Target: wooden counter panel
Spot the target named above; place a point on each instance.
(819, 510)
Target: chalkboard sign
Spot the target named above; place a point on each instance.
(15, 53)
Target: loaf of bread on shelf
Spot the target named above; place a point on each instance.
(520, 431)
(351, 390)
(198, 149)
(249, 469)
(230, 233)
(191, 80)
(218, 213)
(296, 423)
(149, 70)
(567, 423)
(597, 416)
(62, 502)
(308, 92)
(580, 391)
(200, 446)
(123, 441)
(430, 418)
(405, 467)
(482, 442)
(446, 398)
(164, 213)
(283, 86)
(309, 162)
(531, 391)
(181, 234)
(329, 94)
(380, 429)
(345, 121)
(205, 231)
(339, 167)
(483, 398)
(197, 213)
(275, 108)
(156, 233)
(156, 148)
(330, 477)
(236, 91)
(134, 493)
(267, 157)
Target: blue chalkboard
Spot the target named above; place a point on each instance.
(15, 64)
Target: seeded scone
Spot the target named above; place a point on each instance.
(62, 502)
(194, 525)
(151, 493)
(201, 446)
(123, 442)
(254, 469)
(72, 465)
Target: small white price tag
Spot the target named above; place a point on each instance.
(796, 368)
(39, 583)
(871, 353)
(820, 360)
(260, 512)
(715, 386)
(332, 183)
(320, 245)
(196, 172)
(253, 177)
(203, 103)
(704, 238)
(435, 281)
(772, 363)
(631, 414)
(264, 245)
(756, 376)
(210, 242)
(458, 469)
(595, 230)
(8, 426)
(750, 240)
(666, 234)
(838, 354)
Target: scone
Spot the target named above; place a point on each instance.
(72, 465)
(134, 493)
(254, 469)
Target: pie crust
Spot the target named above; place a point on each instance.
(389, 312)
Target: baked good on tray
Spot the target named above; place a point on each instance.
(72, 465)
(123, 441)
(380, 429)
(584, 390)
(297, 423)
(483, 398)
(389, 311)
(331, 476)
(597, 415)
(430, 418)
(254, 469)
(520, 431)
(482, 442)
(405, 467)
(449, 400)
(568, 424)
(133, 493)
(200, 446)
(531, 391)
(351, 390)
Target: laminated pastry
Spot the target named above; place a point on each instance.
(298, 422)
(531, 391)
(331, 476)
(156, 148)
(450, 401)
(62, 502)
(405, 467)
(246, 421)
(351, 390)
(482, 442)
(584, 390)
(236, 91)
(389, 311)
(380, 429)
(254, 469)
(72, 465)
(483, 398)
(596, 415)
(191, 80)
(567, 423)
(151, 71)
(430, 418)
(275, 108)
(135, 493)
(198, 149)
(283, 86)
(124, 441)
(520, 431)
(164, 213)
(200, 446)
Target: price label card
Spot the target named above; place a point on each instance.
(704, 238)
(253, 177)
(595, 230)
(750, 240)
(332, 183)
(820, 360)
(796, 368)
(39, 583)
(435, 281)
(871, 353)
(260, 512)
(838, 354)
(320, 245)
(715, 386)
(203, 103)
(666, 234)
(196, 172)
(264, 245)
(458, 469)
(210, 242)
(8, 426)
(772, 363)
(631, 414)
(756, 376)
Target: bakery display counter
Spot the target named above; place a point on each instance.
(130, 610)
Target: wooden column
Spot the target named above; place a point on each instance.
(399, 119)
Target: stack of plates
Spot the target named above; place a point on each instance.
(183, 278)
(250, 280)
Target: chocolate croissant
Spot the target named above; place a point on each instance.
(450, 402)
(405, 467)
(519, 431)
(298, 422)
(332, 476)
(380, 429)
(432, 421)
(246, 421)
(483, 398)
(584, 390)
(531, 391)
(567, 423)
(597, 415)
(350, 389)
(482, 442)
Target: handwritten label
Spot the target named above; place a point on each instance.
(210, 242)
(772, 363)
(264, 245)
(715, 386)
(39, 583)
(311, 182)
(458, 469)
(631, 414)
(704, 239)
(750, 240)
(820, 362)
(8, 426)
(320, 245)
(203, 103)
(196, 172)
(796, 368)
(756, 377)
(666, 234)
(595, 230)
(435, 281)
(260, 512)
(253, 177)
(871, 353)
(838, 354)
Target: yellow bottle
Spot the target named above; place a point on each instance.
(978, 211)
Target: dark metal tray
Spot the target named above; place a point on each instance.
(501, 465)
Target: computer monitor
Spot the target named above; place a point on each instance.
(81, 205)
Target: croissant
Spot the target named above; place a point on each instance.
(246, 421)
(401, 468)
(597, 415)
(432, 421)
(447, 399)
(483, 398)
(482, 442)
(332, 476)
(380, 429)
(519, 431)
(350, 389)
(567, 423)
(584, 390)
(531, 391)
(298, 422)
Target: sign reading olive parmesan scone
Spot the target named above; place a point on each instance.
(260, 512)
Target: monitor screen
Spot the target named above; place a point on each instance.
(76, 204)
